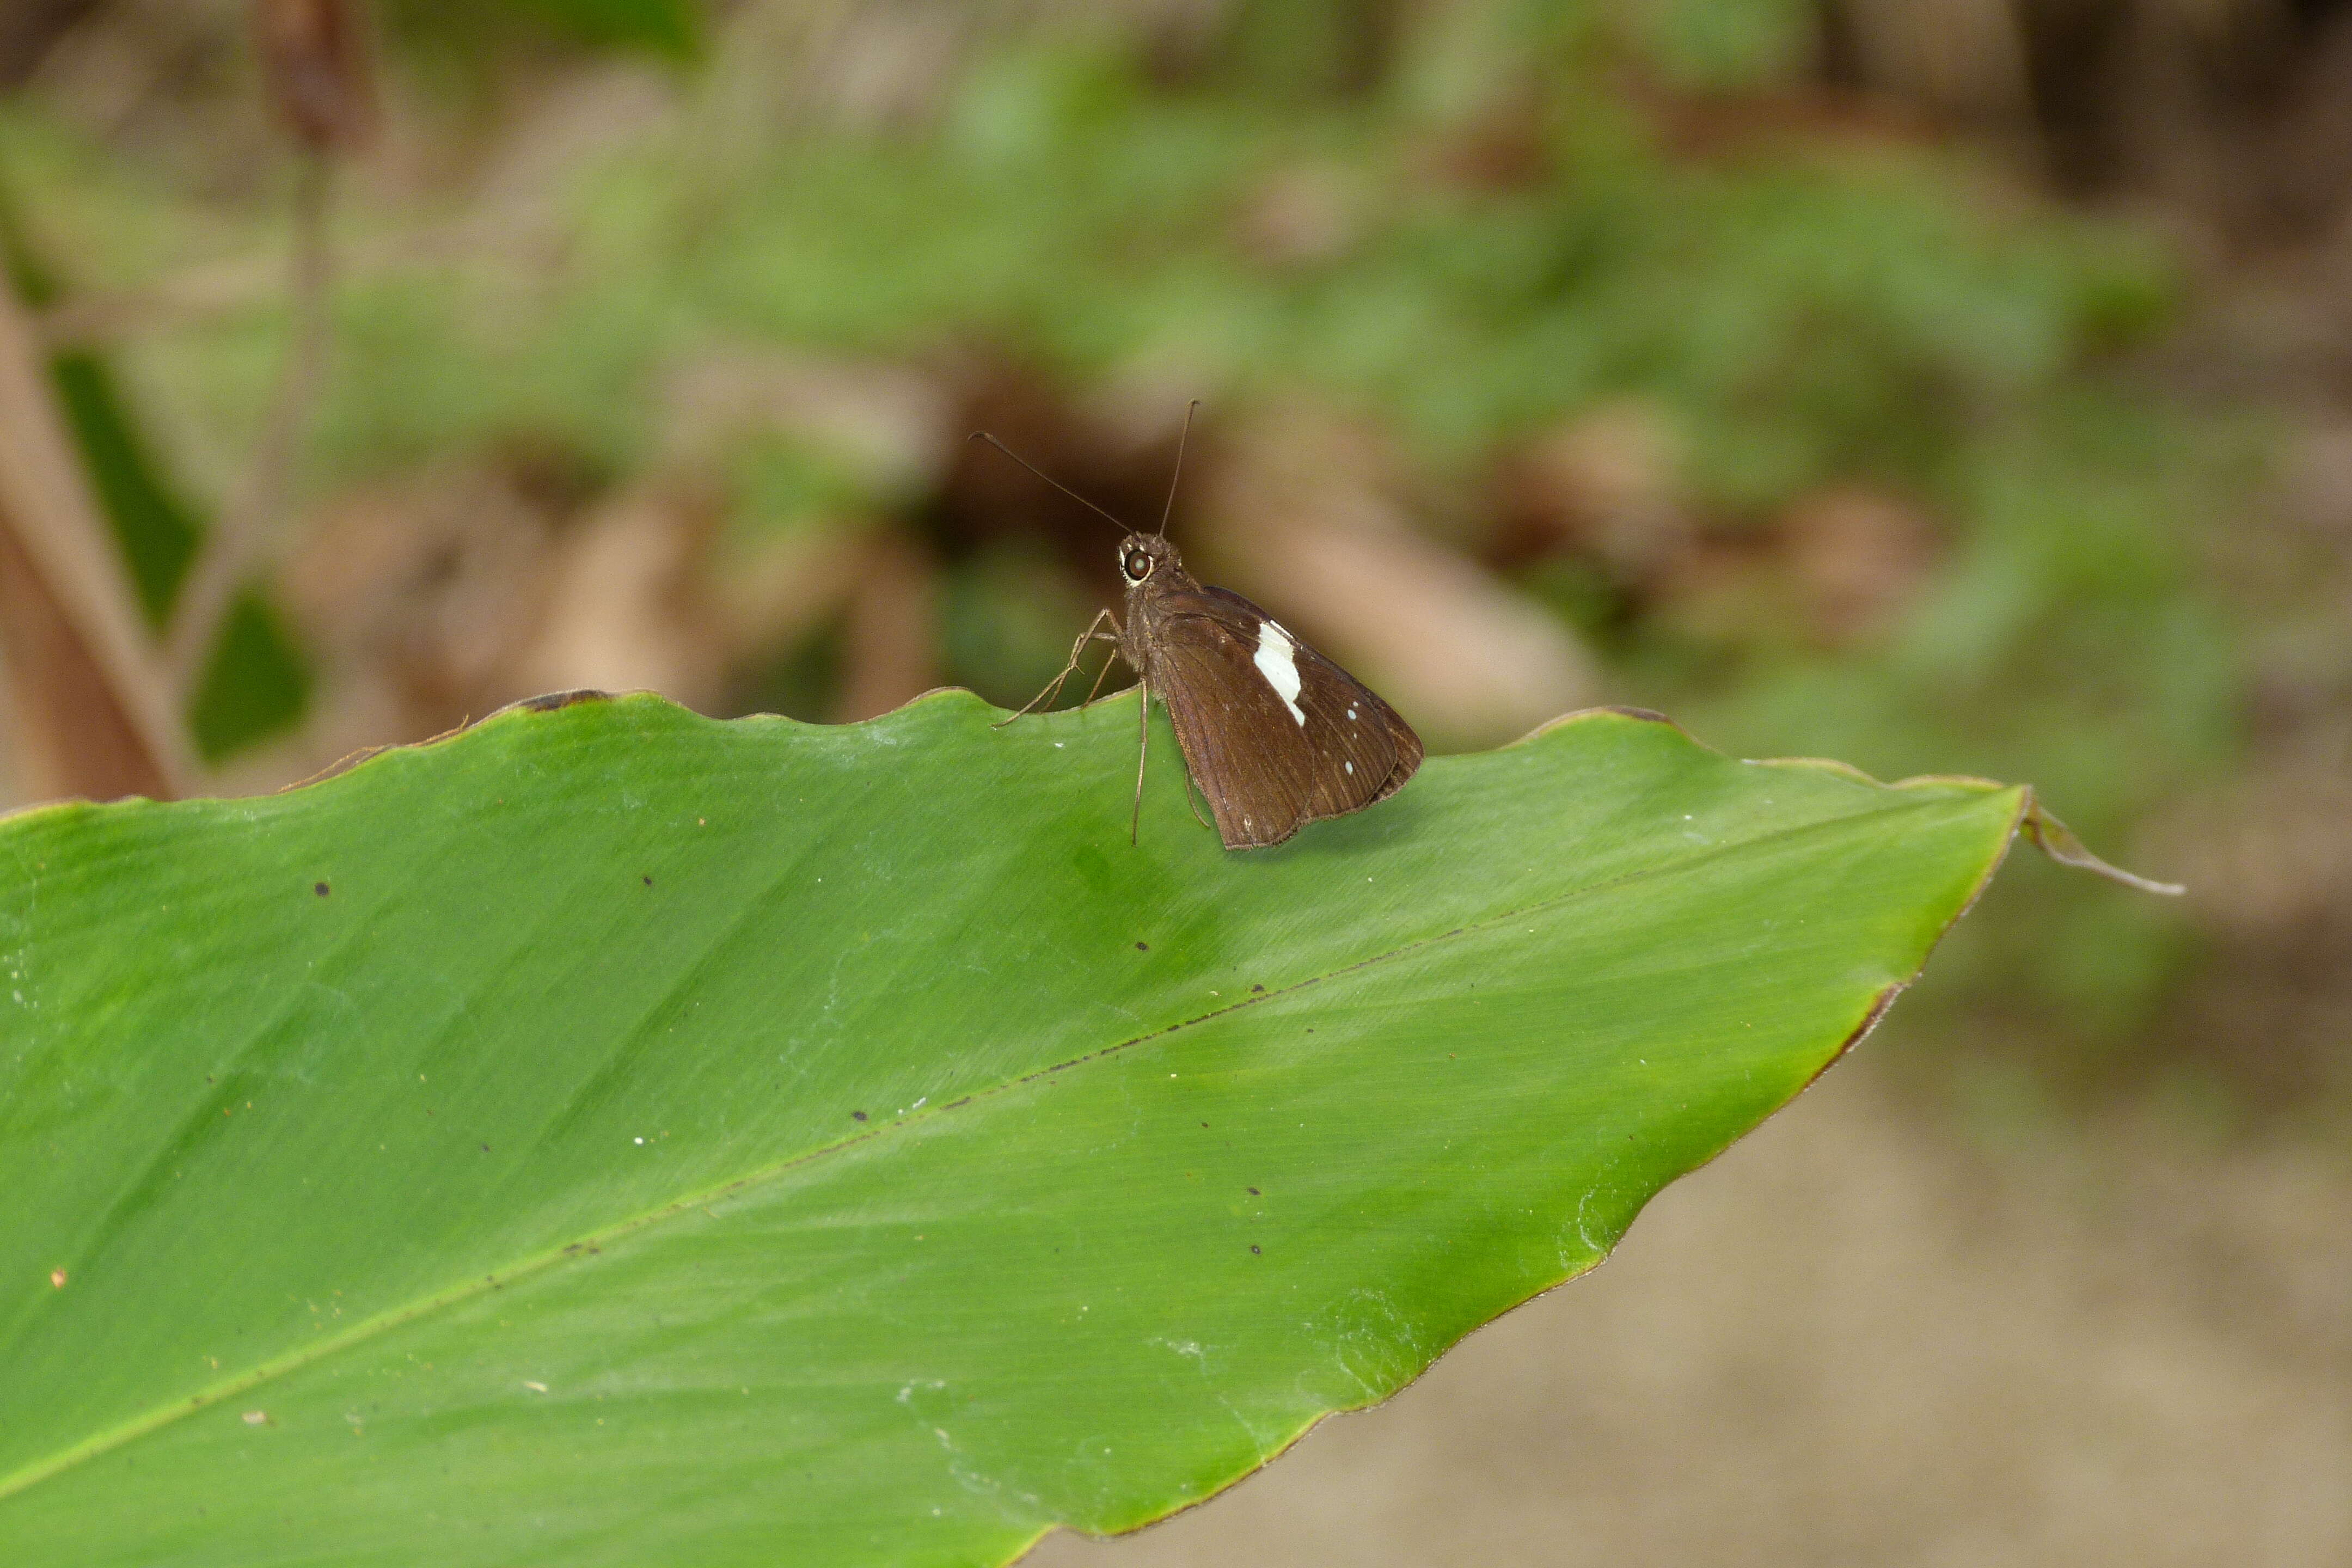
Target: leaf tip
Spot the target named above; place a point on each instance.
(2055, 839)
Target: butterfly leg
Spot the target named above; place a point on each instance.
(1188, 792)
(1104, 670)
(1142, 753)
(1094, 633)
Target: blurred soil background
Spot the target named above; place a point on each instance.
(1944, 386)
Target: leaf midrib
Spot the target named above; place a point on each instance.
(590, 1244)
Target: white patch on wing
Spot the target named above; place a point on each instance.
(1277, 660)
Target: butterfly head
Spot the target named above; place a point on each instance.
(1141, 556)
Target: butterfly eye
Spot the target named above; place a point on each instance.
(1138, 566)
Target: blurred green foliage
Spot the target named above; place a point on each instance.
(256, 684)
(448, 29)
(253, 686)
(152, 526)
(1464, 229)
(1724, 44)
(776, 482)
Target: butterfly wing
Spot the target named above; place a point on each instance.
(1276, 734)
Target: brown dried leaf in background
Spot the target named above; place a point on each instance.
(1504, 145)
(1838, 567)
(2318, 482)
(1963, 59)
(69, 736)
(768, 586)
(1303, 216)
(1858, 558)
(1602, 485)
(315, 56)
(419, 600)
(627, 608)
(92, 713)
(773, 594)
(889, 426)
(1729, 589)
(890, 640)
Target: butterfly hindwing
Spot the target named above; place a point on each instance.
(1275, 734)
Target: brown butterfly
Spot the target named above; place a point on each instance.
(1275, 734)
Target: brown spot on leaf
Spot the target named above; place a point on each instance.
(321, 888)
(552, 700)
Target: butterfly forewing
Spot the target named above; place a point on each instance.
(1275, 735)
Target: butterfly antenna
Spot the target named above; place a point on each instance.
(984, 435)
(1170, 510)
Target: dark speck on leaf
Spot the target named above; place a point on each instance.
(485, 1148)
(1258, 987)
(858, 1116)
(1252, 1248)
(319, 888)
(1253, 1192)
(650, 882)
(1143, 947)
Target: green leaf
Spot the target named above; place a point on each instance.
(153, 526)
(256, 684)
(482, 37)
(157, 532)
(1724, 44)
(672, 27)
(611, 1136)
